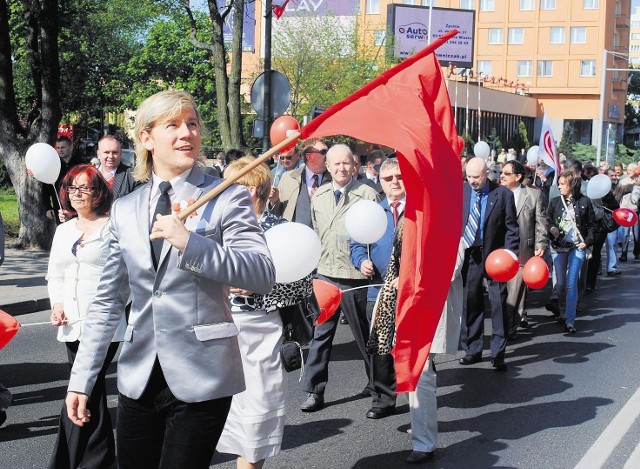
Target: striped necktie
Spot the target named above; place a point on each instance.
(473, 223)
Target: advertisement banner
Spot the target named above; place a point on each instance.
(410, 32)
(248, 26)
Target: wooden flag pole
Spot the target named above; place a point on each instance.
(184, 213)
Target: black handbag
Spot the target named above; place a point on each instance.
(605, 219)
(297, 330)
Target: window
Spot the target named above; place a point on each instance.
(487, 5)
(587, 68)
(484, 67)
(590, 4)
(578, 35)
(526, 5)
(372, 7)
(558, 34)
(424, 3)
(635, 36)
(545, 68)
(516, 35)
(524, 68)
(379, 36)
(496, 35)
(547, 4)
(467, 5)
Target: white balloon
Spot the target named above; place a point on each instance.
(295, 250)
(481, 149)
(598, 186)
(366, 221)
(532, 155)
(43, 162)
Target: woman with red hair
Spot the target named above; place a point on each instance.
(78, 255)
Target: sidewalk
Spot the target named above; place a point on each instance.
(23, 288)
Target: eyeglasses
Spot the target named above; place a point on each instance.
(390, 178)
(315, 150)
(82, 189)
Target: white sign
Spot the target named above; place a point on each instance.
(410, 26)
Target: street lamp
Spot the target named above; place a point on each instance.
(602, 93)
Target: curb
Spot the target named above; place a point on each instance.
(26, 307)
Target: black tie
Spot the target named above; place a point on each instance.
(337, 194)
(163, 207)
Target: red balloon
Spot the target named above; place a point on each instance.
(535, 273)
(625, 217)
(8, 328)
(502, 265)
(328, 296)
(280, 127)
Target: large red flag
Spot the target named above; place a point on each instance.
(408, 108)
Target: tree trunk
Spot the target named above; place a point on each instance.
(235, 113)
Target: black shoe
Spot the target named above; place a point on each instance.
(552, 306)
(418, 457)
(3, 417)
(623, 257)
(589, 289)
(570, 329)
(513, 336)
(313, 403)
(613, 273)
(470, 359)
(524, 323)
(380, 412)
(343, 319)
(499, 366)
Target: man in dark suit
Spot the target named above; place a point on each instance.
(371, 173)
(68, 159)
(117, 174)
(490, 223)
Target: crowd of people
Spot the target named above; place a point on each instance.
(195, 303)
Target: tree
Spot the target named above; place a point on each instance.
(38, 42)
(566, 143)
(227, 83)
(325, 60)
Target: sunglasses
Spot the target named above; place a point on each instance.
(315, 150)
(390, 178)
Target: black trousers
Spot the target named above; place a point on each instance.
(383, 374)
(596, 256)
(354, 307)
(160, 431)
(472, 334)
(92, 445)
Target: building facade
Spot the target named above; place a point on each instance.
(550, 50)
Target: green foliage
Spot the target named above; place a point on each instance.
(324, 59)
(566, 143)
(9, 210)
(468, 144)
(494, 141)
(520, 139)
(583, 153)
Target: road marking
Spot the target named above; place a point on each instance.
(634, 460)
(600, 451)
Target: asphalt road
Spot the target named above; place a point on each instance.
(564, 398)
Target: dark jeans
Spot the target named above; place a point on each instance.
(160, 431)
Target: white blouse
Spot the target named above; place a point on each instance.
(73, 279)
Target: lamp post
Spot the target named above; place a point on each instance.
(479, 111)
(468, 72)
(603, 78)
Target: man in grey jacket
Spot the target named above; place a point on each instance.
(180, 362)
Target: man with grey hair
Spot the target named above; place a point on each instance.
(328, 209)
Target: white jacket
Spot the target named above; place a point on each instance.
(73, 280)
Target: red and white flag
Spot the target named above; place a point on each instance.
(548, 150)
(278, 7)
(408, 108)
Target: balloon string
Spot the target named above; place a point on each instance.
(48, 323)
(363, 286)
(55, 191)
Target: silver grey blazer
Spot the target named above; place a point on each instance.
(181, 312)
